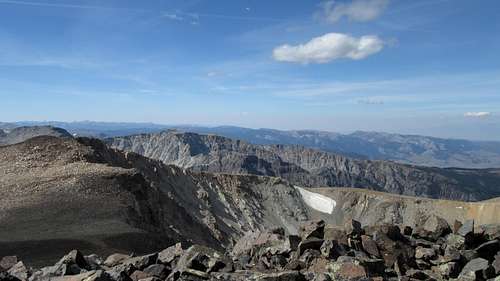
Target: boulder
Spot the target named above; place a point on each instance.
(310, 229)
(7, 262)
(310, 243)
(448, 270)
(455, 241)
(466, 229)
(115, 259)
(138, 275)
(94, 262)
(331, 249)
(202, 259)
(121, 272)
(474, 268)
(157, 270)
(281, 276)
(141, 262)
(170, 254)
(19, 271)
(4, 276)
(496, 263)
(370, 246)
(94, 275)
(435, 227)
(488, 249)
(335, 233)
(353, 228)
(424, 253)
(347, 271)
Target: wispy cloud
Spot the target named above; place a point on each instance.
(480, 114)
(330, 47)
(356, 10)
(173, 15)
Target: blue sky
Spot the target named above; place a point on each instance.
(426, 67)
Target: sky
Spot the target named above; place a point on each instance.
(428, 67)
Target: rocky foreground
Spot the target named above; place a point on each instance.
(434, 251)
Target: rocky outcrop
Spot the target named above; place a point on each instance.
(20, 134)
(383, 252)
(308, 167)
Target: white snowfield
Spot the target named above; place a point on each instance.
(317, 201)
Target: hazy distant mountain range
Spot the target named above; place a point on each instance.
(409, 149)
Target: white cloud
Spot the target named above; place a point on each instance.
(357, 10)
(329, 47)
(481, 114)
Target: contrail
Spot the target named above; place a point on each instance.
(77, 6)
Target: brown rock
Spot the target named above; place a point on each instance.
(370, 246)
(169, 254)
(7, 262)
(115, 259)
(138, 275)
(311, 229)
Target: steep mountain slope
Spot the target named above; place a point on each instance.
(308, 167)
(20, 134)
(79, 193)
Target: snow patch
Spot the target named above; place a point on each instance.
(317, 201)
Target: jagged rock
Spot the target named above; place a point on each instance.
(419, 274)
(335, 233)
(94, 261)
(202, 259)
(296, 265)
(435, 227)
(157, 270)
(454, 241)
(141, 262)
(19, 271)
(309, 256)
(4, 276)
(253, 241)
(353, 227)
(311, 229)
(408, 230)
(474, 267)
(281, 276)
(488, 249)
(347, 271)
(496, 263)
(466, 229)
(310, 243)
(138, 275)
(121, 272)
(424, 253)
(370, 246)
(94, 275)
(115, 259)
(456, 226)
(7, 262)
(170, 254)
(450, 269)
(331, 249)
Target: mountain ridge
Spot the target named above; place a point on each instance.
(308, 167)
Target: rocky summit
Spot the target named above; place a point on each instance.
(433, 251)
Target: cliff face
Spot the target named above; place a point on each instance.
(308, 167)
